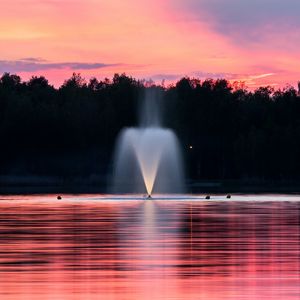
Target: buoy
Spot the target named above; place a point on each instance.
(228, 196)
(207, 197)
(58, 197)
(149, 197)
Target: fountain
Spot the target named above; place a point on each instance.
(147, 158)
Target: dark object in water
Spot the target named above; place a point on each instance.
(207, 197)
(149, 197)
(228, 196)
(58, 197)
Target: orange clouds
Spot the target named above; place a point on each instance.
(144, 38)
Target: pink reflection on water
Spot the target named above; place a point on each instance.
(101, 249)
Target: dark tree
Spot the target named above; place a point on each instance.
(226, 132)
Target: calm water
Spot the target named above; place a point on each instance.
(90, 247)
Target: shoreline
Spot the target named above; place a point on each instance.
(192, 187)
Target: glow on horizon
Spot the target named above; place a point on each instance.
(145, 40)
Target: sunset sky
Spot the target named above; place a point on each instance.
(256, 41)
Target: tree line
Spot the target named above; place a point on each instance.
(226, 131)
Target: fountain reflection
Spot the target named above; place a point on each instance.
(154, 256)
(92, 249)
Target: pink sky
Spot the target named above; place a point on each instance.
(253, 42)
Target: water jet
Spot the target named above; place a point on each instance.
(147, 158)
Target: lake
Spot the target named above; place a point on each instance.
(101, 247)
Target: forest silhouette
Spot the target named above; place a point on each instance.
(226, 131)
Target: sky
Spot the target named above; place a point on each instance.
(255, 41)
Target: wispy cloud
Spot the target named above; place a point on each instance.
(32, 64)
(33, 59)
(217, 75)
(199, 74)
(261, 76)
(168, 77)
(246, 21)
(251, 80)
(247, 78)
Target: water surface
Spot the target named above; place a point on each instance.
(93, 247)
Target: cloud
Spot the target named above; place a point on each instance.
(199, 74)
(252, 80)
(205, 75)
(37, 64)
(248, 79)
(260, 76)
(246, 21)
(33, 59)
(168, 77)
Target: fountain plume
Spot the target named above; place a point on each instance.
(148, 158)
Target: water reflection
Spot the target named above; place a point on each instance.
(134, 249)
